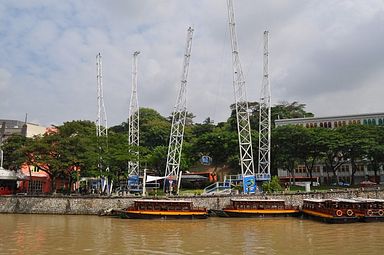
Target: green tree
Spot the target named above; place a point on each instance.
(154, 129)
(14, 156)
(220, 144)
(287, 141)
(286, 110)
(311, 149)
(273, 185)
(375, 152)
(333, 153)
(357, 142)
(157, 159)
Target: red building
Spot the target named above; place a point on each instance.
(35, 181)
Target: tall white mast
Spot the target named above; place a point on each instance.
(133, 122)
(242, 112)
(178, 117)
(264, 166)
(2, 130)
(101, 122)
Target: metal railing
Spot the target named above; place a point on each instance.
(217, 187)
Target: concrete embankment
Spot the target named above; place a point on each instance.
(87, 205)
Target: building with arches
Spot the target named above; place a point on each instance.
(345, 171)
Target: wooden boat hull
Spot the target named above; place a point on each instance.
(259, 213)
(371, 218)
(328, 218)
(161, 214)
(217, 213)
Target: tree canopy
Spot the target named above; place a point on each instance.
(74, 144)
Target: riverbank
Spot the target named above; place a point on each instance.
(94, 205)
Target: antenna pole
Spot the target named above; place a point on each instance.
(178, 119)
(264, 166)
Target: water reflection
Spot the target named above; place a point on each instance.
(53, 234)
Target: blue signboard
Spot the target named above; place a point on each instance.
(249, 184)
(206, 160)
(133, 180)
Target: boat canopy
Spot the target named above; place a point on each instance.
(161, 201)
(154, 178)
(256, 200)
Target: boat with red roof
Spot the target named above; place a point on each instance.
(162, 209)
(331, 210)
(248, 207)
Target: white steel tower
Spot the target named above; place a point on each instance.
(178, 118)
(101, 123)
(264, 166)
(133, 122)
(242, 112)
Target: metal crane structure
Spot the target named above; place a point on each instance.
(264, 166)
(101, 127)
(242, 112)
(179, 113)
(2, 130)
(133, 122)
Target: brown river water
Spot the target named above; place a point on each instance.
(57, 234)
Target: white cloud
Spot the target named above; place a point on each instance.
(320, 51)
(5, 78)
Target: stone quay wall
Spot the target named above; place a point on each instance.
(87, 205)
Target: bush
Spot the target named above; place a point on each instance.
(273, 185)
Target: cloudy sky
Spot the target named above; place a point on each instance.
(328, 54)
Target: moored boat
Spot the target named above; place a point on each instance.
(258, 208)
(370, 209)
(331, 210)
(162, 209)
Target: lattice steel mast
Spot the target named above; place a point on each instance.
(178, 117)
(133, 122)
(101, 122)
(242, 113)
(264, 166)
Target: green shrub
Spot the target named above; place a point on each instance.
(273, 185)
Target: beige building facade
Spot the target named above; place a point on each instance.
(9, 127)
(345, 170)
